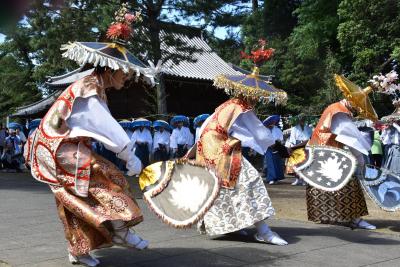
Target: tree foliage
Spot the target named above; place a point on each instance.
(16, 84)
(369, 36)
(316, 38)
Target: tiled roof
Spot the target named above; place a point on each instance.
(36, 107)
(64, 80)
(207, 64)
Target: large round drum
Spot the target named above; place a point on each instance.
(383, 187)
(325, 167)
(180, 193)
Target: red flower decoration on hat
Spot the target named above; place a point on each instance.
(121, 28)
(119, 31)
(260, 55)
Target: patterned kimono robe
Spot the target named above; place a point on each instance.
(89, 190)
(335, 129)
(243, 199)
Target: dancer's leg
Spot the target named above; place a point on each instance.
(265, 234)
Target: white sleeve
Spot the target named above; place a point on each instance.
(251, 132)
(155, 141)
(292, 138)
(167, 139)
(90, 117)
(133, 137)
(172, 140)
(22, 137)
(187, 136)
(149, 140)
(396, 126)
(348, 133)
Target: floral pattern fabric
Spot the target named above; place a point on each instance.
(216, 149)
(241, 207)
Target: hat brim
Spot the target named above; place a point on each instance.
(357, 98)
(109, 55)
(250, 86)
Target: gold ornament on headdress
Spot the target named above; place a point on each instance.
(357, 97)
(251, 86)
(242, 88)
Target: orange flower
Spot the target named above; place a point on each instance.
(260, 55)
(119, 31)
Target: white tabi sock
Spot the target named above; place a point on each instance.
(362, 224)
(265, 234)
(87, 260)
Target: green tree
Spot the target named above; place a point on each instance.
(369, 36)
(16, 85)
(279, 19)
(49, 28)
(310, 44)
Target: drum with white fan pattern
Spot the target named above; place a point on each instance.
(179, 192)
(383, 187)
(326, 168)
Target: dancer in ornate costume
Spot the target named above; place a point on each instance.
(388, 84)
(93, 198)
(227, 195)
(337, 129)
(383, 183)
(243, 200)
